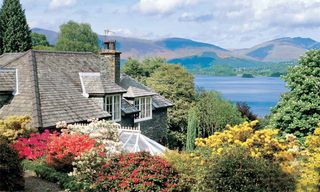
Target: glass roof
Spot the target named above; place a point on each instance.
(133, 141)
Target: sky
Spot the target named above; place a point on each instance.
(226, 23)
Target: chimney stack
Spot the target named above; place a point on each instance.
(112, 60)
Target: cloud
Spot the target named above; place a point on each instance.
(56, 4)
(187, 17)
(160, 7)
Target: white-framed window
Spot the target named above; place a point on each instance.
(112, 104)
(144, 104)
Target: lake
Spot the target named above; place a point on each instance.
(260, 93)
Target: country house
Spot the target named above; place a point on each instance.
(74, 87)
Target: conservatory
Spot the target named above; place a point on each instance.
(134, 141)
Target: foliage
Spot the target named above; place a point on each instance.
(215, 113)
(137, 172)
(39, 40)
(191, 168)
(263, 143)
(44, 48)
(141, 70)
(193, 123)
(11, 172)
(310, 173)
(87, 166)
(245, 111)
(176, 84)
(77, 37)
(13, 127)
(236, 170)
(34, 146)
(62, 150)
(14, 30)
(298, 111)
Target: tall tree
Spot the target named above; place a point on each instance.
(176, 84)
(193, 123)
(77, 37)
(298, 111)
(16, 35)
(215, 113)
(39, 39)
(1, 33)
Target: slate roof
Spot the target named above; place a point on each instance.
(50, 88)
(133, 92)
(128, 108)
(7, 80)
(157, 100)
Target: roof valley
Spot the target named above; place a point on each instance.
(36, 113)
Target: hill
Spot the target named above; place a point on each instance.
(277, 50)
(204, 57)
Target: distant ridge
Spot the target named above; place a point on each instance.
(193, 54)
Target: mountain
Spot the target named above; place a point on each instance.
(133, 47)
(277, 50)
(194, 54)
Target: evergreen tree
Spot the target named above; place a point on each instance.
(193, 123)
(1, 34)
(298, 111)
(16, 35)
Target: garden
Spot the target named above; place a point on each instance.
(89, 158)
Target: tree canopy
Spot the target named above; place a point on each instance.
(214, 113)
(77, 37)
(298, 111)
(39, 40)
(15, 35)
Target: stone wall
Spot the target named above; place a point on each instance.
(157, 127)
(111, 65)
(127, 120)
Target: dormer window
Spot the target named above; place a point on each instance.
(144, 104)
(112, 104)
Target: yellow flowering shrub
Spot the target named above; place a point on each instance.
(261, 143)
(310, 173)
(193, 169)
(14, 126)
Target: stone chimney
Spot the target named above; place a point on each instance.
(112, 60)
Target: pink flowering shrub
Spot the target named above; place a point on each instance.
(34, 146)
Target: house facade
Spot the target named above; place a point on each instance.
(74, 87)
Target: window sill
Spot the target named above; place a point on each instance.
(144, 119)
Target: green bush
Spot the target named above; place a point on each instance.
(11, 172)
(232, 171)
(235, 170)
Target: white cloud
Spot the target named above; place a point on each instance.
(159, 7)
(55, 4)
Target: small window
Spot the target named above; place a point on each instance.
(144, 104)
(112, 104)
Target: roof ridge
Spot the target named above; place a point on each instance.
(15, 59)
(63, 52)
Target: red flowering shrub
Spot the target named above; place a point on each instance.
(137, 172)
(34, 146)
(62, 150)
